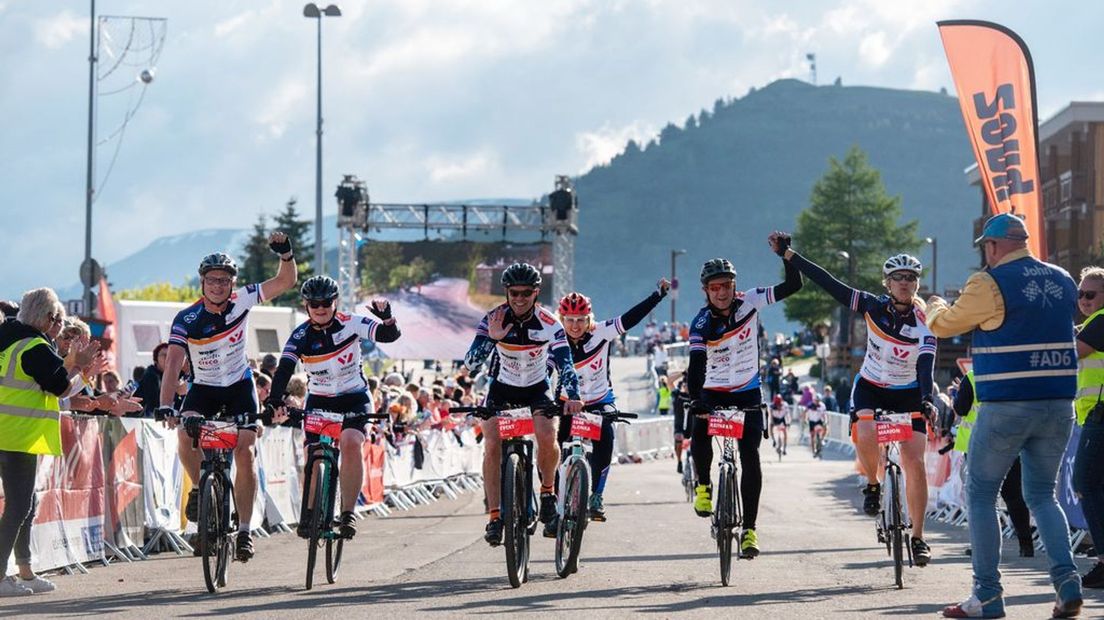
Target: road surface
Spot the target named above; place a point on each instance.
(653, 557)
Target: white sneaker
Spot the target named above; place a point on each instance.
(38, 585)
(10, 587)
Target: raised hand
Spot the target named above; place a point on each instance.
(663, 285)
(496, 324)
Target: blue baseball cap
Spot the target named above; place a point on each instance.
(1003, 226)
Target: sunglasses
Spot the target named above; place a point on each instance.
(521, 292)
(1090, 295)
(721, 286)
(218, 281)
(57, 320)
(316, 304)
(903, 277)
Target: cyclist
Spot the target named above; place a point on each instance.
(328, 345)
(779, 424)
(521, 335)
(815, 415)
(590, 348)
(679, 400)
(212, 335)
(724, 371)
(896, 375)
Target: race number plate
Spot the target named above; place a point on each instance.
(586, 426)
(218, 436)
(515, 423)
(894, 427)
(727, 423)
(324, 423)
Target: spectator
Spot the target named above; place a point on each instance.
(830, 402)
(774, 378)
(268, 365)
(296, 392)
(264, 386)
(30, 421)
(659, 360)
(1020, 310)
(149, 386)
(664, 401)
(789, 386)
(1088, 469)
(8, 310)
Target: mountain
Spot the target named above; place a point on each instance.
(721, 183)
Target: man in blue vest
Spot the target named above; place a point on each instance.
(1020, 311)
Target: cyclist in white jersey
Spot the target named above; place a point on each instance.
(212, 334)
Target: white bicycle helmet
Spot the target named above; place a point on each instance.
(902, 262)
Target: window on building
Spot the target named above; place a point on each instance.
(1065, 187)
(268, 341)
(146, 337)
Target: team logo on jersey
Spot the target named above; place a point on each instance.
(299, 334)
(236, 337)
(596, 364)
(534, 353)
(345, 359)
(191, 316)
(316, 346)
(208, 329)
(546, 318)
(744, 333)
(901, 353)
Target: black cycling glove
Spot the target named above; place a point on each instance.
(783, 244)
(384, 314)
(280, 247)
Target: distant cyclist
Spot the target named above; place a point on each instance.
(590, 348)
(816, 414)
(213, 333)
(896, 375)
(724, 371)
(779, 414)
(518, 337)
(328, 346)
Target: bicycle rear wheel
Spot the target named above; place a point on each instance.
(897, 528)
(515, 519)
(569, 533)
(724, 516)
(210, 532)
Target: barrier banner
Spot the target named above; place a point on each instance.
(937, 468)
(995, 81)
(372, 490)
(162, 477)
(68, 528)
(278, 475)
(1071, 505)
(398, 469)
(125, 518)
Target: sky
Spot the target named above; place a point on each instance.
(424, 99)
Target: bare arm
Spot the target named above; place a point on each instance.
(174, 360)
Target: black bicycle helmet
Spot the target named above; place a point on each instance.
(320, 288)
(218, 261)
(521, 274)
(716, 268)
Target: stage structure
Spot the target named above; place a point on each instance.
(358, 219)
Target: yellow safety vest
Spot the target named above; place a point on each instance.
(30, 418)
(664, 398)
(962, 436)
(1090, 378)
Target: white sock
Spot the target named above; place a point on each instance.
(243, 527)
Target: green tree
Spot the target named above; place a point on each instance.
(417, 271)
(162, 291)
(849, 211)
(289, 221)
(258, 263)
(377, 259)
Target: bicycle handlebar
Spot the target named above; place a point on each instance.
(486, 413)
(297, 415)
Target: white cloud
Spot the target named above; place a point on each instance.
(463, 168)
(57, 30)
(874, 50)
(229, 25)
(279, 109)
(602, 145)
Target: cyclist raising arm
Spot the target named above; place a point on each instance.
(724, 371)
(590, 347)
(521, 335)
(212, 334)
(328, 345)
(896, 374)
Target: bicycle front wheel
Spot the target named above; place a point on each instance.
(569, 533)
(515, 519)
(897, 527)
(320, 519)
(724, 515)
(210, 530)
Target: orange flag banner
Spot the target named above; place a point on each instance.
(995, 82)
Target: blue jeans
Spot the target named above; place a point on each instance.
(1037, 432)
(1088, 477)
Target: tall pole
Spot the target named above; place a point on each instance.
(88, 189)
(674, 278)
(319, 267)
(935, 266)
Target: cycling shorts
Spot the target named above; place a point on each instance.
(778, 421)
(680, 422)
(866, 395)
(815, 424)
(355, 405)
(500, 395)
(231, 403)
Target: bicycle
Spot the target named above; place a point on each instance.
(217, 523)
(891, 524)
(818, 444)
(574, 476)
(727, 423)
(779, 439)
(689, 476)
(323, 455)
(518, 502)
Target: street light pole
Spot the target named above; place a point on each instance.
(88, 189)
(846, 323)
(311, 10)
(935, 263)
(674, 279)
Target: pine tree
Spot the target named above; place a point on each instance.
(289, 222)
(258, 263)
(849, 212)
